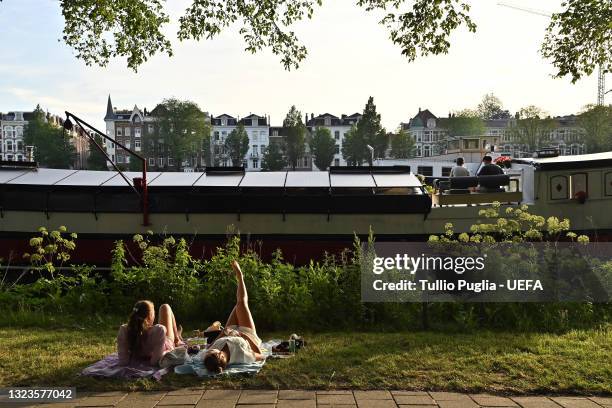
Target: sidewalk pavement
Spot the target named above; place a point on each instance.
(202, 398)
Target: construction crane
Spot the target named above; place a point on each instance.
(601, 77)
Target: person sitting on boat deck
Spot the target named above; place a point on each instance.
(459, 170)
(238, 343)
(140, 339)
(489, 168)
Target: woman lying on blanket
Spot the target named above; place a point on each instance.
(239, 342)
(142, 340)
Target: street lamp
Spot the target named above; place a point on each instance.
(371, 149)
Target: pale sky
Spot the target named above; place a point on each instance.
(350, 58)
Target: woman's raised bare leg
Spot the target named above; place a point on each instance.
(167, 319)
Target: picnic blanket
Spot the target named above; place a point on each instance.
(196, 365)
(109, 367)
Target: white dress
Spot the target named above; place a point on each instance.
(239, 349)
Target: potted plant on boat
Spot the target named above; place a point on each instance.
(504, 161)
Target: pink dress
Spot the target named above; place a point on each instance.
(154, 346)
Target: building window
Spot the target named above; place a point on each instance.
(426, 151)
(336, 162)
(127, 143)
(137, 145)
(151, 161)
(19, 145)
(255, 163)
(137, 132)
(8, 131)
(127, 131)
(160, 162)
(9, 145)
(119, 131)
(19, 157)
(170, 161)
(425, 171)
(255, 136)
(337, 135)
(419, 153)
(223, 135)
(337, 149)
(120, 159)
(18, 131)
(150, 128)
(9, 157)
(216, 134)
(255, 150)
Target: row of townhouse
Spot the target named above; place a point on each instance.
(432, 139)
(261, 135)
(12, 145)
(137, 130)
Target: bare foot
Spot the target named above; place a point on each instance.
(179, 338)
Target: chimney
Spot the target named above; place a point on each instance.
(419, 109)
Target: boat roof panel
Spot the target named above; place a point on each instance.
(7, 175)
(352, 180)
(171, 179)
(579, 161)
(264, 179)
(396, 180)
(118, 181)
(42, 177)
(298, 179)
(219, 180)
(86, 178)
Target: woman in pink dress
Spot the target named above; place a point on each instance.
(141, 339)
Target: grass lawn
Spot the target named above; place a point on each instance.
(578, 362)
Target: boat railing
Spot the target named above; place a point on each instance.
(472, 190)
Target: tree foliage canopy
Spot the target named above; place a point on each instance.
(464, 123)
(273, 158)
(237, 144)
(368, 131)
(577, 40)
(295, 141)
(533, 127)
(183, 128)
(96, 159)
(596, 121)
(491, 108)
(323, 148)
(52, 147)
(402, 145)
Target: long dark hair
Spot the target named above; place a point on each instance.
(213, 363)
(137, 325)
